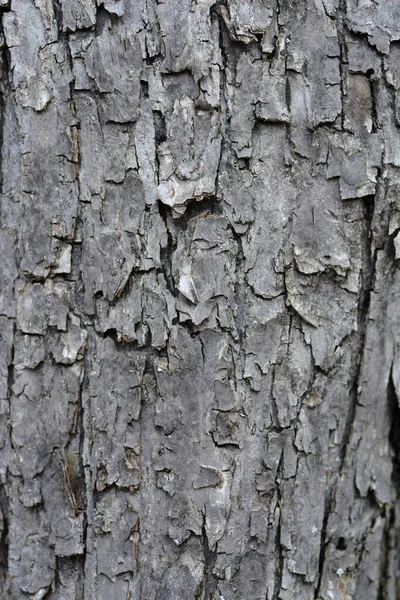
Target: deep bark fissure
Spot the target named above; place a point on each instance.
(168, 250)
(343, 62)
(329, 497)
(3, 540)
(278, 544)
(385, 554)
(240, 286)
(58, 14)
(394, 434)
(210, 581)
(367, 281)
(5, 63)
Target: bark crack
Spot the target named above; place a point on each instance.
(210, 581)
(5, 62)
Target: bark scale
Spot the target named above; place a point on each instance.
(200, 357)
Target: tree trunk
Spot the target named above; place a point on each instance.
(199, 300)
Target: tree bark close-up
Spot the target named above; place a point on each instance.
(200, 300)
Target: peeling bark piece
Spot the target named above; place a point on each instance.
(362, 57)
(378, 20)
(32, 309)
(188, 163)
(71, 345)
(29, 351)
(207, 477)
(248, 21)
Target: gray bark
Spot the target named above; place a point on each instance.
(199, 300)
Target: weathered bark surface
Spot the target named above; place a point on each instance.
(199, 300)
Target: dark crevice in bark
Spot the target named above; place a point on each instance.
(144, 89)
(159, 127)
(240, 286)
(278, 545)
(288, 98)
(4, 509)
(208, 205)
(226, 445)
(11, 371)
(274, 409)
(215, 14)
(160, 136)
(373, 83)
(343, 61)
(231, 49)
(73, 479)
(145, 348)
(341, 544)
(195, 207)
(86, 563)
(394, 434)
(210, 581)
(3, 541)
(390, 248)
(385, 554)
(58, 14)
(324, 542)
(81, 491)
(151, 60)
(167, 251)
(367, 281)
(5, 65)
(123, 342)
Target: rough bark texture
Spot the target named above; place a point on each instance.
(199, 300)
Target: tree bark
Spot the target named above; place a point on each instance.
(199, 300)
